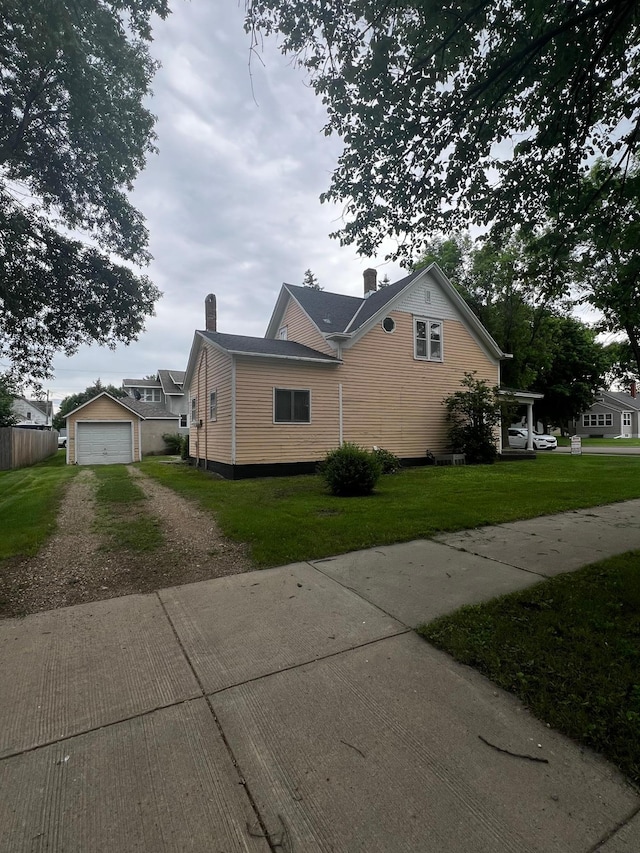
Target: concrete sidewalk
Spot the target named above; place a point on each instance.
(294, 710)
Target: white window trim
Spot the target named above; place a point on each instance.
(291, 423)
(428, 321)
(626, 418)
(194, 411)
(283, 333)
(213, 405)
(150, 395)
(183, 417)
(593, 420)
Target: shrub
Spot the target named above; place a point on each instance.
(473, 415)
(185, 448)
(350, 470)
(174, 442)
(389, 462)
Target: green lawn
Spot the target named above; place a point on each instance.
(121, 517)
(569, 648)
(29, 501)
(565, 441)
(294, 518)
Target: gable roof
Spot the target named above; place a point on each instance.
(256, 347)
(331, 312)
(171, 381)
(145, 411)
(45, 407)
(351, 316)
(269, 347)
(622, 400)
(141, 383)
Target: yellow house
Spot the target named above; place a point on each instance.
(331, 369)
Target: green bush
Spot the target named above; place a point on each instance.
(350, 470)
(174, 442)
(389, 462)
(185, 448)
(473, 415)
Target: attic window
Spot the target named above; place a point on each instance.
(389, 324)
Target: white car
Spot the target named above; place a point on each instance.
(518, 439)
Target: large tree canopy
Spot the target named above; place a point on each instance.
(482, 111)
(553, 352)
(606, 254)
(73, 136)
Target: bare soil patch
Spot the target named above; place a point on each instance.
(79, 565)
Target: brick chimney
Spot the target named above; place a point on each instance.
(370, 281)
(634, 388)
(210, 314)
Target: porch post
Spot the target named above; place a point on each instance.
(529, 426)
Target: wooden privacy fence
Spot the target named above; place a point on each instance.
(22, 447)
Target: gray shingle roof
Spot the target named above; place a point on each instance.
(147, 410)
(141, 383)
(45, 406)
(624, 400)
(169, 380)
(267, 347)
(333, 312)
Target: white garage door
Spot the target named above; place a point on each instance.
(104, 443)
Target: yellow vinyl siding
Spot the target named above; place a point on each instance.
(392, 400)
(212, 440)
(261, 441)
(301, 329)
(102, 409)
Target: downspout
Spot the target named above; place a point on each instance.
(233, 410)
(206, 408)
(139, 439)
(341, 435)
(198, 412)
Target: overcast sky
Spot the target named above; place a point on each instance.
(232, 198)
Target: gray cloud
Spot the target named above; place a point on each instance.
(232, 198)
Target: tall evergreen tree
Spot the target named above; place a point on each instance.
(311, 281)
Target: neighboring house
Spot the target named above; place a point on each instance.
(38, 412)
(331, 369)
(107, 430)
(613, 413)
(165, 389)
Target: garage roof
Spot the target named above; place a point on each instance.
(145, 411)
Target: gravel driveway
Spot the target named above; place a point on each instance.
(78, 565)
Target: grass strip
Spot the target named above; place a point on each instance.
(289, 519)
(29, 502)
(121, 517)
(569, 648)
(565, 441)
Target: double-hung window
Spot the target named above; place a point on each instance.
(194, 410)
(183, 420)
(427, 339)
(213, 405)
(291, 406)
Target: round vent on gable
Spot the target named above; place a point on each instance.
(389, 324)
